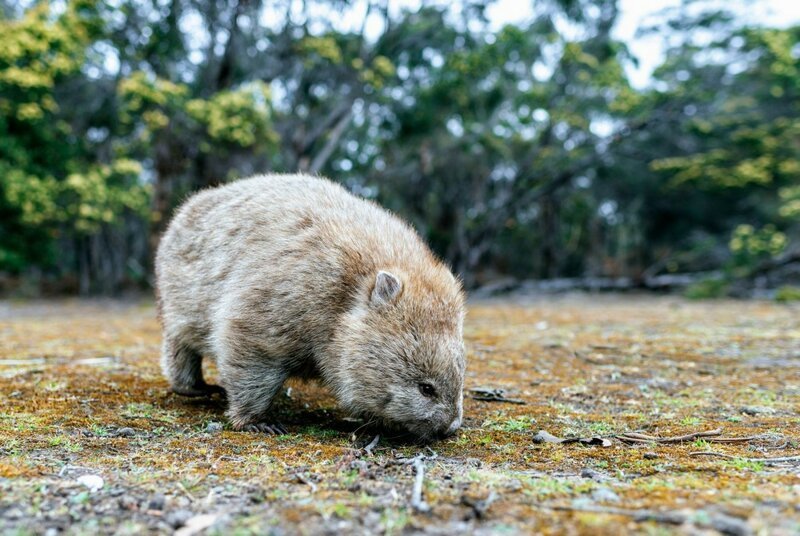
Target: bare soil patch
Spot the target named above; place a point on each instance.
(92, 442)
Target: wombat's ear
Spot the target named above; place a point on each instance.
(387, 288)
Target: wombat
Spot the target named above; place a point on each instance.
(282, 276)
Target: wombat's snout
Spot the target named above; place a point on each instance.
(451, 429)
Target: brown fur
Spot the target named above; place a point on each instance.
(290, 275)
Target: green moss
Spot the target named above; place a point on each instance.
(691, 421)
(744, 464)
(601, 428)
(136, 410)
(511, 424)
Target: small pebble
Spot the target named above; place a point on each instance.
(126, 432)
(214, 427)
(157, 502)
(588, 472)
(93, 482)
(126, 502)
(726, 524)
(13, 513)
(758, 410)
(177, 518)
(605, 495)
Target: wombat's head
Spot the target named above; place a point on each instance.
(402, 354)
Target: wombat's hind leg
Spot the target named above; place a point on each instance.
(183, 366)
(250, 391)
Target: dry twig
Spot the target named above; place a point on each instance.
(545, 437)
(488, 394)
(780, 459)
(733, 439)
(186, 492)
(635, 437)
(481, 506)
(720, 522)
(372, 445)
(417, 502)
(305, 480)
(672, 518)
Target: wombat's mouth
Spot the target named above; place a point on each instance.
(424, 432)
(416, 431)
(404, 436)
(409, 432)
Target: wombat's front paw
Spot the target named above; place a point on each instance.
(265, 427)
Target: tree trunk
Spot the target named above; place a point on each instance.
(162, 193)
(548, 223)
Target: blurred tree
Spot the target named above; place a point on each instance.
(483, 130)
(736, 104)
(517, 151)
(50, 185)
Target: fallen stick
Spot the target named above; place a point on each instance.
(479, 506)
(672, 518)
(635, 437)
(303, 479)
(781, 459)
(197, 524)
(417, 502)
(186, 492)
(733, 439)
(720, 522)
(372, 445)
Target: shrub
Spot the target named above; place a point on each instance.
(787, 293)
(707, 289)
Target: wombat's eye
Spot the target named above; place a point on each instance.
(427, 390)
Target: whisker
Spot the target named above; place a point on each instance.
(369, 422)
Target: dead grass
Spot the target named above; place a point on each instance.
(82, 393)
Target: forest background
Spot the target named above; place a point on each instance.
(520, 151)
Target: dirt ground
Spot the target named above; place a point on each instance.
(91, 442)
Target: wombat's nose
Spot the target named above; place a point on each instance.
(453, 427)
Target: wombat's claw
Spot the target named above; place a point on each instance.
(267, 428)
(198, 390)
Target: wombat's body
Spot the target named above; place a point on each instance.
(290, 275)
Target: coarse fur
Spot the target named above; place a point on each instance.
(291, 275)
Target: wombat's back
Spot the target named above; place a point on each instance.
(296, 234)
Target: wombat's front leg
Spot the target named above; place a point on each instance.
(251, 385)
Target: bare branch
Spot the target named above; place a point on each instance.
(333, 141)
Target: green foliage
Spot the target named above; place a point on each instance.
(787, 294)
(707, 289)
(37, 148)
(102, 194)
(141, 91)
(240, 117)
(751, 246)
(323, 47)
(790, 198)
